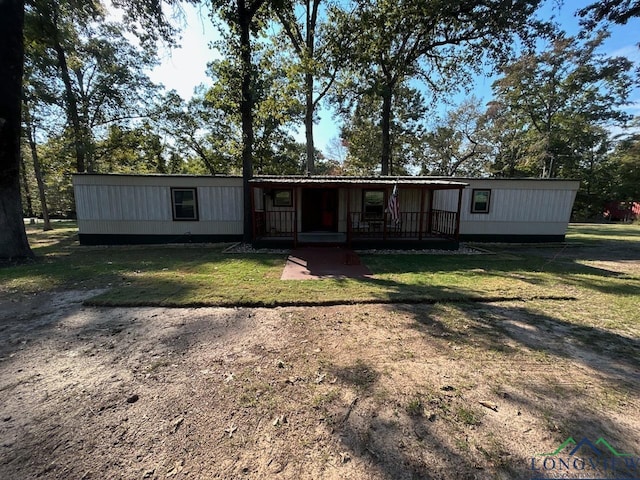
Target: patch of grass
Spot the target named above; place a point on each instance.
(603, 232)
(321, 400)
(468, 416)
(414, 407)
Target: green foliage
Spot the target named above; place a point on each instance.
(458, 145)
(388, 43)
(625, 181)
(362, 133)
(559, 95)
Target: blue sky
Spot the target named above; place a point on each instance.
(184, 68)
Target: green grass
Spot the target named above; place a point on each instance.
(597, 233)
(204, 275)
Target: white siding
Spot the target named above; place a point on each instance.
(517, 207)
(141, 205)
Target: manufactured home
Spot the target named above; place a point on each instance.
(362, 212)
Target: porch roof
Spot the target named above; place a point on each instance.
(335, 181)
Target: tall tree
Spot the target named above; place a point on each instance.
(362, 133)
(100, 71)
(559, 92)
(242, 18)
(626, 162)
(310, 46)
(54, 24)
(30, 130)
(458, 145)
(394, 41)
(508, 142)
(13, 239)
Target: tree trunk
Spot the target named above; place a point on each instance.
(386, 130)
(25, 186)
(310, 42)
(308, 123)
(70, 98)
(37, 169)
(13, 238)
(246, 113)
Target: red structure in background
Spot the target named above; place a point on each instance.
(622, 211)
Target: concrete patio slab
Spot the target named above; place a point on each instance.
(313, 263)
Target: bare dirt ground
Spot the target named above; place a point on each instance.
(359, 392)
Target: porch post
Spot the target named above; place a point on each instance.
(430, 212)
(421, 219)
(385, 204)
(458, 216)
(254, 233)
(348, 193)
(295, 217)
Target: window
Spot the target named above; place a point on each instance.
(480, 201)
(282, 198)
(372, 204)
(185, 203)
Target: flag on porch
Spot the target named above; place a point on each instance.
(394, 205)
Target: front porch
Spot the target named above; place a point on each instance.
(353, 211)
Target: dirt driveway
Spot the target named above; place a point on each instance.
(361, 392)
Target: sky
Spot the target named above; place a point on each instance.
(182, 69)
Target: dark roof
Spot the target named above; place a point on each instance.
(362, 181)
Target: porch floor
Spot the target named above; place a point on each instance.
(313, 263)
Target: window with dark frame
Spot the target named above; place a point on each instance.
(283, 198)
(184, 204)
(480, 200)
(372, 204)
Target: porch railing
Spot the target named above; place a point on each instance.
(278, 223)
(282, 223)
(409, 225)
(444, 222)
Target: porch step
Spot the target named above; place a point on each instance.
(322, 237)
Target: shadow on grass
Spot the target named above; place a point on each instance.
(554, 386)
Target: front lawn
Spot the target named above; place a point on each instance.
(197, 275)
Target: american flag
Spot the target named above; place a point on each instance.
(394, 205)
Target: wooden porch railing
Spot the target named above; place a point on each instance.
(278, 223)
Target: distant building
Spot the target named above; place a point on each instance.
(622, 211)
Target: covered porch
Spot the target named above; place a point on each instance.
(355, 211)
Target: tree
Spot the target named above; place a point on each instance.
(560, 92)
(614, 11)
(626, 162)
(30, 130)
(51, 23)
(310, 48)
(458, 145)
(508, 141)
(362, 133)
(241, 17)
(100, 71)
(199, 126)
(13, 238)
(391, 42)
